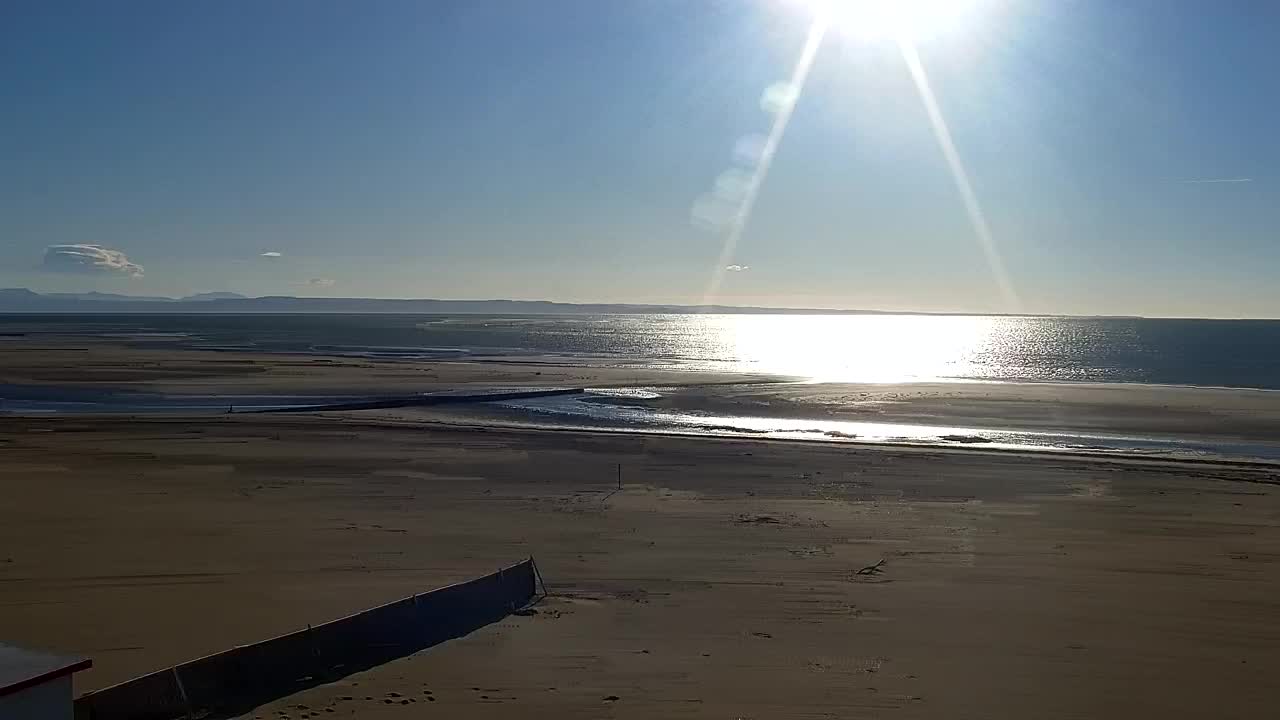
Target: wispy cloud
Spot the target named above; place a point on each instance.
(320, 283)
(737, 268)
(1217, 181)
(89, 259)
(271, 254)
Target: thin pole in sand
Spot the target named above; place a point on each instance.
(615, 491)
(538, 575)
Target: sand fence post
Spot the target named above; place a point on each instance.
(321, 670)
(538, 576)
(502, 588)
(182, 690)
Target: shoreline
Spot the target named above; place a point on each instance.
(969, 439)
(974, 448)
(354, 420)
(40, 377)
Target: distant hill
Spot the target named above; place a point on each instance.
(203, 297)
(22, 300)
(107, 297)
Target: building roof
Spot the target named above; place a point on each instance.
(21, 669)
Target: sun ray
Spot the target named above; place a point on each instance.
(978, 219)
(800, 73)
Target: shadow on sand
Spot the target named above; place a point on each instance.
(233, 682)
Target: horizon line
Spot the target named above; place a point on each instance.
(654, 307)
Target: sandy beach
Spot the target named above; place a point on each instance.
(722, 580)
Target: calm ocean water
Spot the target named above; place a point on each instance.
(852, 348)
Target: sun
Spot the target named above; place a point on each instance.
(894, 19)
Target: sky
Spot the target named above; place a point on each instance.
(1121, 156)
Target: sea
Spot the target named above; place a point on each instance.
(824, 348)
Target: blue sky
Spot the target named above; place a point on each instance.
(555, 150)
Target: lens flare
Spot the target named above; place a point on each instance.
(781, 116)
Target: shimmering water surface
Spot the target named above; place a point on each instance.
(847, 348)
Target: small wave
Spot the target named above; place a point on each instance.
(145, 335)
(616, 408)
(388, 352)
(727, 428)
(627, 393)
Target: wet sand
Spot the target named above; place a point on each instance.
(721, 581)
(1227, 414)
(1209, 414)
(98, 363)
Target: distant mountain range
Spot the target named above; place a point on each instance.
(22, 300)
(116, 297)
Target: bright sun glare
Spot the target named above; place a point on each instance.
(896, 19)
(906, 22)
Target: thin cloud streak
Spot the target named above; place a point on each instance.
(87, 258)
(1217, 181)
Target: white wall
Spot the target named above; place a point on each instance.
(47, 701)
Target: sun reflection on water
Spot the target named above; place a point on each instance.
(861, 348)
